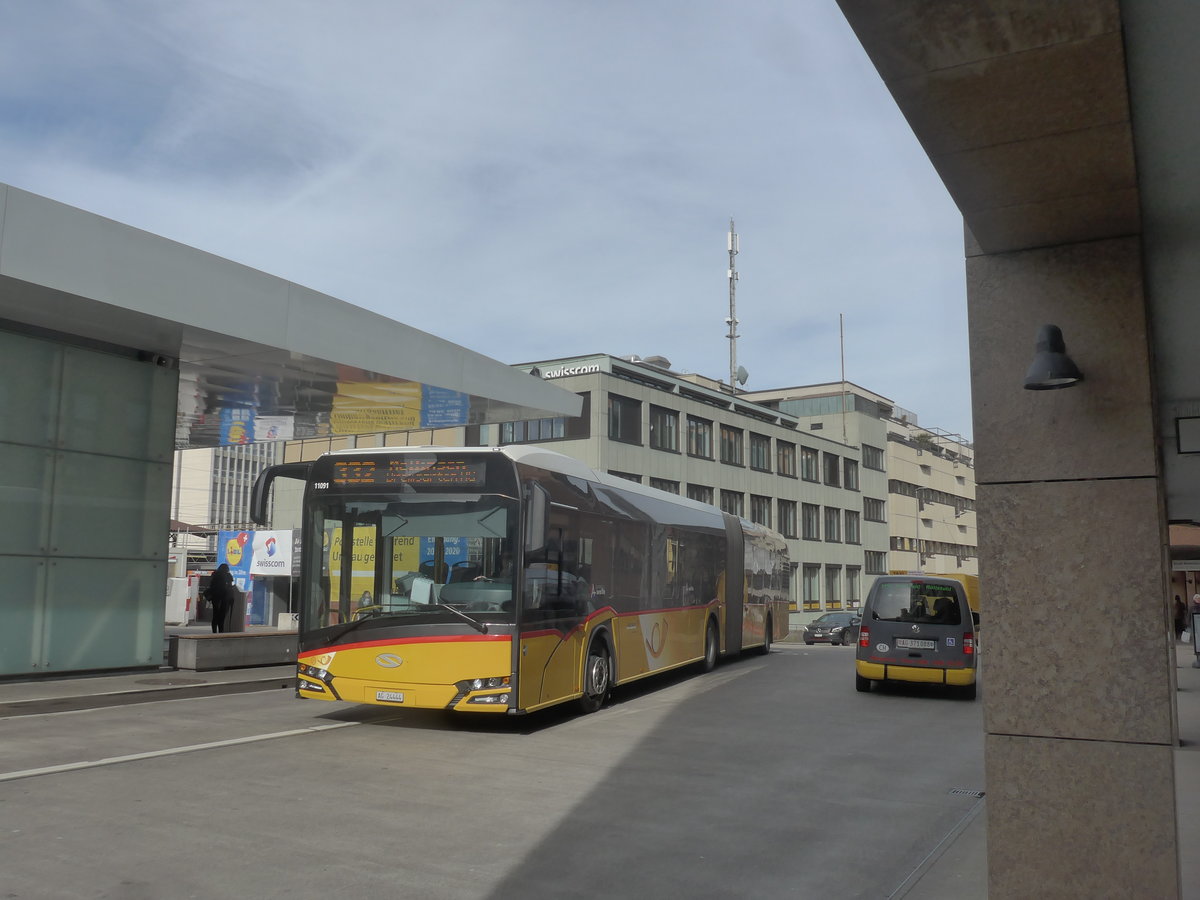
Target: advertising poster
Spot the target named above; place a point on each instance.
(441, 408)
(235, 548)
(369, 406)
(237, 427)
(272, 553)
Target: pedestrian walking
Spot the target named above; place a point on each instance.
(220, 594)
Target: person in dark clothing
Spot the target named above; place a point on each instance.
(220, 596)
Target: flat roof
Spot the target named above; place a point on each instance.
(279, 358)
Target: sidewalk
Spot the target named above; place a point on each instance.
(955, 869)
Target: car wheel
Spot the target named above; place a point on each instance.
(808, 643)
(862, 685)
(597, 671)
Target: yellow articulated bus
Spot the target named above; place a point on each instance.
(509, 579)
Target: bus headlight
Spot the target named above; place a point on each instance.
(483, 684)
(314, 672)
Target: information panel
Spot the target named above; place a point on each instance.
(417, 472)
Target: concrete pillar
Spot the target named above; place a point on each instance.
(1078, 676)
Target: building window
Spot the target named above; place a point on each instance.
(850, 474)
(664, 429)
(787, 518)
(833, 469)
(833, 524)
(732, 445)
(700, 437)
(876, 562)
(874, 510)
(760, 452)
(701, 493)
(853, 586)
(811, 587)
(810, 520)
(624, 419)
(853, 532)
(810, 462)
(833, 587)
(733, 502)
(785, 458)
(628, 476)
(760, 510)
(663, 484)
(555, 429)
(872, 458)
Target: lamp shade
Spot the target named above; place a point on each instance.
(1051, 367)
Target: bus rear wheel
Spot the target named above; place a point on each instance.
(766, 644)
(711, 647)
(597, 676)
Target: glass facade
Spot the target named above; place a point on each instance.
(86, 445)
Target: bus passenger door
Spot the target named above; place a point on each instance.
(554, 602)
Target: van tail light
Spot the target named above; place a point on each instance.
(864, 636)
(968, 644)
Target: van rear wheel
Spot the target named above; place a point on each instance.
(862, 685)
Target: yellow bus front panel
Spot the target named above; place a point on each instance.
(445, 672)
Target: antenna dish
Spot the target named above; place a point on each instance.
(742, 375)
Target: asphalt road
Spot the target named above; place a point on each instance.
(769, 777)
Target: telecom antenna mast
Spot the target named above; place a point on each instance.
(732, 321)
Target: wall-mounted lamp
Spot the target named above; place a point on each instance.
(1051, 367)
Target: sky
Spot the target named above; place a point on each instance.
(531, 179)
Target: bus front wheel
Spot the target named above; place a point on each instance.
(597, 674)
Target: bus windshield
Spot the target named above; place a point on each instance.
(410, 555)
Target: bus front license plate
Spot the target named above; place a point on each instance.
(389, 696)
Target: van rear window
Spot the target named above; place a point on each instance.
(916, 601)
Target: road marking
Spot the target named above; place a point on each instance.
(171, 751)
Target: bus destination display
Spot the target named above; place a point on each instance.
(418, 472)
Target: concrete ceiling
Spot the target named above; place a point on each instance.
(1063, 122)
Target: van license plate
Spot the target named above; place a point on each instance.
(912, 644)
(389, 696)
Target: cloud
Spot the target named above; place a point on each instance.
(532, 179)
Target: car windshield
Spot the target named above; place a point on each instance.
(917, 601)
(831, 619)
(416, 555)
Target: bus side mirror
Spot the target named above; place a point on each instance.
(537, 517)
(261, 494)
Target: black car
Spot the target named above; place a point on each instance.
(833, 628)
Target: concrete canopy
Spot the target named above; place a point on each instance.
(244, 342)
(1064, 123)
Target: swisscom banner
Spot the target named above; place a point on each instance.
(255, 553)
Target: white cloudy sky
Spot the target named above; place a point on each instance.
(531, 179)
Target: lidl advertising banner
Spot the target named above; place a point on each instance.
(234, 548)
(237, 426)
